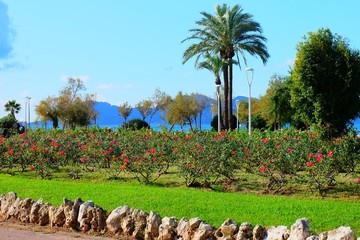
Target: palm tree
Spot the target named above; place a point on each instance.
(229, 32)
(12, 107)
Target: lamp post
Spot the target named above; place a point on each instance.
(212, 111)
(218, 102)
(249, 81)
(237, 115)
(25, 120)
(27, 107)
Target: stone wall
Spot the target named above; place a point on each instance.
(137, 224)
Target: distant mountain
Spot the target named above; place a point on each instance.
(109, 116)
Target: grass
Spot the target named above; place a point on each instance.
(212, 207)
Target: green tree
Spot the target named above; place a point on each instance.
(326, 82)
(125, 110)
(70, 107)
(229, 32)
(47, 110)
(12, 107)
(275, 106)
(161, 102)
(183, 110)
(145, 108)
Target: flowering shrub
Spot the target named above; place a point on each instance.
(202, 158)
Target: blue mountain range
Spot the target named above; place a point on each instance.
(109, 115)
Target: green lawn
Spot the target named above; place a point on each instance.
(212, 207)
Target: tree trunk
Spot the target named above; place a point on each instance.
(230, 95)
(226, 92)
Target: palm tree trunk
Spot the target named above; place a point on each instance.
(230, 95)
(226, 100)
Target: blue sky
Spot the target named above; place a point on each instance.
(124, 50)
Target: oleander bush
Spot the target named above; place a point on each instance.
(203, 159)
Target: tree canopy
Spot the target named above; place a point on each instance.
(229, 32)
(325, 86)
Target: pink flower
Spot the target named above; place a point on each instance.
(61, 153)
(82, 160)
(311, 155)
(278, 146)
(152, 150)
(265, 140)
(202, 148)
(319, 156)
(309, 164)
(358, 180)
(290, 150)
(330, 154)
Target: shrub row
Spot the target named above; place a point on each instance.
(202, 158)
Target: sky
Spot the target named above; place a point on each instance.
(124, 50)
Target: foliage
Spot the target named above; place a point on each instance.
(325, 78)
(12, 107)
(9, 125)
(184, 109)
(125, 110)
(274, 106)
(228, 32)
(205, 159)
(136, 124)
(145, 108)
(70, 107)
(161, 102)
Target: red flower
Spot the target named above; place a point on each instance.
(61, 153)
(309, 164)
(154, 159)
(319, 156)
(330, 154)
(175, 150)
(152, 150)
(31, 168)
(290, 150)
(311, 155)
(123, 167)
(358, 180)
(263, 169)
(82, 160)
(202, 148)
(11, 151)
(278, 146)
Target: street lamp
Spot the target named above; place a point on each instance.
(249, 81)
(212, 111)
(218, 85)
(27, 107)
(237, 115)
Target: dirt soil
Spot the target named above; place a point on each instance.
(19, 231)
